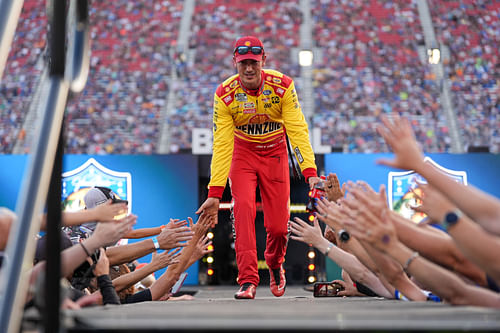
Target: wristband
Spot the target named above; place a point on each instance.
(85, 249)
(156, 244)
(410, 260)
(330, 245)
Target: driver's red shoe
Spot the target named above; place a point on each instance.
(247, 291)
(277, 281)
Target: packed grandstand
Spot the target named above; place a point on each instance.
(152, 76)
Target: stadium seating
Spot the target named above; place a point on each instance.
(370, 66)
(118, 112)
(471, 30)
(21, 73)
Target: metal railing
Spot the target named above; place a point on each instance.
(42, 179)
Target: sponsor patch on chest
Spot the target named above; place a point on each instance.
(241, 97)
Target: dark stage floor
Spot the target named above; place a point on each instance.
(215, 309)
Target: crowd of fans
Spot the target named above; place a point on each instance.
(99, 271)
(118, 112)
(370, 66)
(367, 66)
(22, 72)
(449, 257)
(471, 30)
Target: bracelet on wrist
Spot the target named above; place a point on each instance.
(410, 260)
(330, 245)
(85, 249)
(155, 243)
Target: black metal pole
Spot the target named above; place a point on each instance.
(53, 268)
(57, 37)
(57, 56)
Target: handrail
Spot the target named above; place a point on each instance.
(78, 54)
(33, 194)
(10, 10)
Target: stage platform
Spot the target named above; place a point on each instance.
(215, 309)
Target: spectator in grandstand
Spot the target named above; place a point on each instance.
(252, 109)
(453, 205)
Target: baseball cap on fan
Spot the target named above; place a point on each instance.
(94, 197)
(98, 195)
(249, 42)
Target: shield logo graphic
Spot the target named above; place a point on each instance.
(77, 182)
(402, 187)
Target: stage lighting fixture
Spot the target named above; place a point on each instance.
(210, 272)
(311, 217)
(311, 254)
(311, 267)
(210, 247)
(210, 235)
(311, 279)
(210, 260)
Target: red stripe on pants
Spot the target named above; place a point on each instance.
(267, 168)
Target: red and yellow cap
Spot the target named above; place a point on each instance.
(249, 41)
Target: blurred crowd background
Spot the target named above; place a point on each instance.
(155, 66)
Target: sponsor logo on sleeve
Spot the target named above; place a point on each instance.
(280, 92)
(299, 155)
(233, 84)
(276, 80)
(267, 92)
(228, 99)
